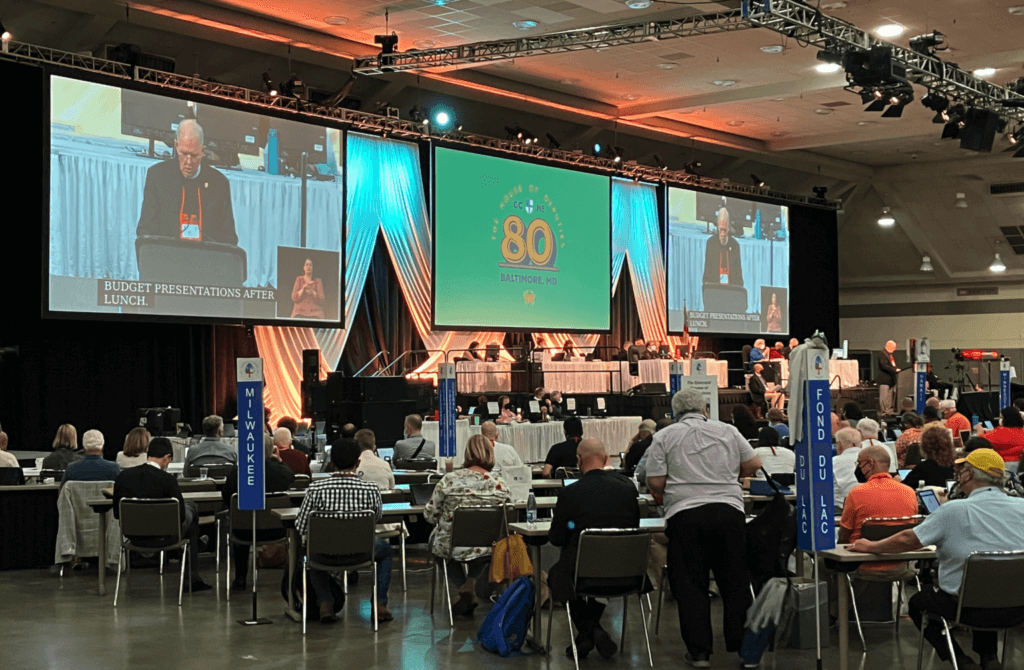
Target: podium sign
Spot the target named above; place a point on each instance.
(1004, 384)
(447, 410)
(251, 492)
(700, 380)
(675, 380)
(814, 486)
(921, 374)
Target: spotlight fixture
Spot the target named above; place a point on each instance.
(415, 114)
(268, 85)
(926, 265)
(984, 72)
(961, 201)
(819, 191)
(877, 105)
(5, 35)
(897, 101)
(938, 103)
(757, 181)
(929, 43)
(830, 56)
(388, 43)
(875, 68)
(616, 153)
(828, 68)
(890, 30)
(442, 119)
(638, 4)
(886, 220)
(660, 163)
(552, 142)
(293, 87)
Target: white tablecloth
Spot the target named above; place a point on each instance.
(614, 377)
(481, 377)
(532, 440)
(843, 374)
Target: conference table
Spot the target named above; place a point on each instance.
(843, 374)
(843, 555)
(532, 440)
(613, 376)
(483, 377)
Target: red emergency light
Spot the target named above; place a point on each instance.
(977, 355)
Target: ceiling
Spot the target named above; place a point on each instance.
(778, 116)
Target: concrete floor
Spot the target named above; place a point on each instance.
(53, 622)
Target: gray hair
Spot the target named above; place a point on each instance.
(190, 128)
(984, 477)
(868, 428)
(688, 400)
(848, 436)
(282, 437)
(212, 426)
(647, 426)
(947, 404)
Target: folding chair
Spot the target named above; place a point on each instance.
(340, 538)
(150, 518)
(989, 582)
(610, 553)
(395, 496)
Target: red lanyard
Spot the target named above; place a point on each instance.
(182, 216)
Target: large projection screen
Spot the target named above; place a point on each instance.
(169, 208)
(520, 246)
(728, 264)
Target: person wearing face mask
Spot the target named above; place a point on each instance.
(414, 445)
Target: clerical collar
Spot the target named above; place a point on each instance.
(196, 175)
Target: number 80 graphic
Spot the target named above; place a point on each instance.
(538, 243)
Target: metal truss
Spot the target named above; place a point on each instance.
(808, 25)
(552, 43)
(385, 126)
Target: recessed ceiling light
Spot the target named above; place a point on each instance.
(525, 25)
(779, 133)
(833, 6)
(724, 82)
(828, 68)
(777, 99)
(823, 111)
(890, 30)
(631, 96)
(425, 44)
(638, 4)
(985, 72)
(665, 65)
(864, 123)
(568, 82)
(735, 123)
(336, 20)
(1017, 11)
(773, 49)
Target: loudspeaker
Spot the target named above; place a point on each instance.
(980, 130)
(310, 379)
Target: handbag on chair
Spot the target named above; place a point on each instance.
(509, 557)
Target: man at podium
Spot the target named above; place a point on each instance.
(722, 264)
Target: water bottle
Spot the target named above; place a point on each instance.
(974, 420)
(531, 509)
(270, 158)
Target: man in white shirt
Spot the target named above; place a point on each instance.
(869, 429)
(844, 464)
(373, 468)
(7, 460)
(505, 455)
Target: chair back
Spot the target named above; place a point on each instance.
(394, 496)
(11, 477)
(605, 553)
(241, 520)
(567, 473)
(417, 464)
(335, 536)
(989, 580)
(480, 525)
(421, 493)
(55, 475)
(150, 517)
(300, 483)
(879, 528)
(214, 468)
(198, 486)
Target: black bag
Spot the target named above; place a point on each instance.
(312, 607)
(771, 537)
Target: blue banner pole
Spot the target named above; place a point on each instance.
(447, 409)
(675, 380)
(1004, 383)
(251, 458)
(921, 374)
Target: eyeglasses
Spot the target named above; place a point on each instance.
(861, 464)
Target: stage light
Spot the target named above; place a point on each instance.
(692, 166)
(984, 72)
(876, 106)
(828, 68)
(961, 201)
(388, 43)
(757, 181)
(829, 56)
(617, 153)
(597, 149)
(890, 30)
(819, 191)
(416, 115)
(926, 264)
(5, 35)
(935, 101)
(898, 101)
(928, 44)
(660, 163)
(293, 87)
(886, 220)
(552, 142)
(443, 119)
(268, 85)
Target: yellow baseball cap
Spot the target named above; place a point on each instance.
(986, 460)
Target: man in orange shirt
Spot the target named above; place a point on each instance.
(955, 421)
(880, 496)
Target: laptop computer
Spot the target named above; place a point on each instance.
(387, 454)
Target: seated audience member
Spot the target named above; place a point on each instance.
(505, 413)
(348, 431)
(293, 426)
(293, 458)
(373, 468)
(277, 478)
(91, 468)
(937, 467)
(505, 455)
(844, 463)
(481, 406)
(1011, 487)
(852, 413)
(414, 445)
(931, 416)
(7, 459)
(953, 419)
(757, 387)
(1008, 438)
(472, 484)
(641, 467)
(555, 410)
(542, 405)
(777, 420)
(911, 434)
(774, 457)
(341, 494)
(838, 423)
(777, 353)
(563, 454)
(638, 445)
(210, 450)
(744, 421)
(65, 449)
(986, 520)
(759, 351)
(135, 445)
(868, 429)
(906, 405)
(932, 401)
(153, 481)
(600, 499)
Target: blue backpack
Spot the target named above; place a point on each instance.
(504, 629)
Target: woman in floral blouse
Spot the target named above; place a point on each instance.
(472, 484)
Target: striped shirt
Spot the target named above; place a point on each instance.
(338, 494)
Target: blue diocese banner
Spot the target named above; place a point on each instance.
(251, 491)
(816, 521)
(447, 409)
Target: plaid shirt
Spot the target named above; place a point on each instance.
(339, 494)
